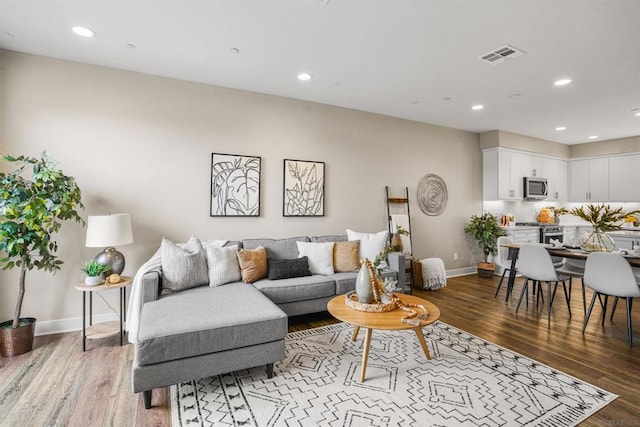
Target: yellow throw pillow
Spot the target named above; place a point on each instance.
(253, 264)
(346, 256)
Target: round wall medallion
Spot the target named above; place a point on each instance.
(432, 194)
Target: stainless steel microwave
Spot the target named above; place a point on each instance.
(535, 188)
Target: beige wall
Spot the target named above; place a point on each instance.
(603, 148)
(500, 138)
(142, 144)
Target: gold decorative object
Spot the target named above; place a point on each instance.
(352, 301)
(113, 278)
(378, 306)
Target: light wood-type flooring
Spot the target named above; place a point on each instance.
(58, 384)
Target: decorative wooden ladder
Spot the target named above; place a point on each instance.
(402, 204)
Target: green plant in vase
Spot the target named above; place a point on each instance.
(94, 271)
(486, 230)
(603, 218)
(396, 240)
(557, 212)
(31, 213)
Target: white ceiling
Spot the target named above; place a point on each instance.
(411, 59)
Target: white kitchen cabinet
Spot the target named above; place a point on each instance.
(589, 180)
(503, 172)
(570, 235)
(555, 170)
(497, 182)
(531, 166)
(523, 235)
(518, 166)
(624, 178)
(626, 241)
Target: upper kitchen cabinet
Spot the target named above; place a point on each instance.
(497, 181)
(624, 178)
(503, 172)
(589, 180)
(555, 170)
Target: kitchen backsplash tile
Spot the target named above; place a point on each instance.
(528, 211)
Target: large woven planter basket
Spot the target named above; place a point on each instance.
(19, 340)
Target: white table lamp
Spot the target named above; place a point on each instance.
(109, 231)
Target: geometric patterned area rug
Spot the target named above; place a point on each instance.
(468, 382)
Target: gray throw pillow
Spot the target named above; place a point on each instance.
(183, 266)
(288, 268)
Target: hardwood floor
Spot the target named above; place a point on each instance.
(58, 384)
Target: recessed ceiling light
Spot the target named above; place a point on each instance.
(562, 82)
(446, 98)
(83, 31)
(234, 50)
(561, 128)
(593, 137)
(477, 107)
(131, 45)
(414, 102)
(636, 112)
(304, 76)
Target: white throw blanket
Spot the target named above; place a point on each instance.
(434, 275)
(135, 298)
(402, 220)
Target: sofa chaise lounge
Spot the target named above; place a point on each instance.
(206, 331)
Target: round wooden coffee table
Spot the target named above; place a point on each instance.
(390, 320)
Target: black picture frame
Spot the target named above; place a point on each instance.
(303, 188)
(235, 185)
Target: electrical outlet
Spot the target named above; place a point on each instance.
(455, 256)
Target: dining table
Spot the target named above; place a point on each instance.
(556, 251)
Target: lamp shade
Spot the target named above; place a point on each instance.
(108, 230)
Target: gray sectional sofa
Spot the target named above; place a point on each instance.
(206, 331)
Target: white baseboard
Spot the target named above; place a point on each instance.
(70, 325)
(465, 271)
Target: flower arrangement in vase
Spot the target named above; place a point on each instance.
(603, 218)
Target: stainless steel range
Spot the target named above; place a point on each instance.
(547, 231)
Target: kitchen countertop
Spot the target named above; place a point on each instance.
(625, 232)
(520, 227)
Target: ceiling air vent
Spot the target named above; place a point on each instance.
(502, 54)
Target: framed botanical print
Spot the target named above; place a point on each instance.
(303, 188)
(235, 185)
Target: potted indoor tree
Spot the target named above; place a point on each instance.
(31, 211)
(486, 230)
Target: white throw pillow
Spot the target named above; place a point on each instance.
(320, 256)
(223, 265)
(183, 266)
(371, 244)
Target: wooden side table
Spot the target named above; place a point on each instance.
(104, 329)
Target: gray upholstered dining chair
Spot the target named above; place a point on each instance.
(574, 269)
(534, 263)
(610, 274)
(503, 259)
